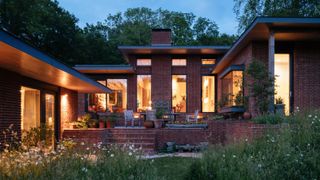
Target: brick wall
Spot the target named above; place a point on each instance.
(10, 109)
(306, 75)
(218, 132)
(69, 106)
(161, 78)
(194, 84)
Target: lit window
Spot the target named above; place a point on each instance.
(179, 62)
(143, 92)
(98, 101)
(208, 61)
(30, 109)
(179, 93)
(282, 83)
(143, 62)
(232, 94)
(117, 100)
(208, 103)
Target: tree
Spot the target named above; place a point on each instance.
(42, 23)
(248, 10)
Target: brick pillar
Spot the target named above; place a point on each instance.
(271, 67)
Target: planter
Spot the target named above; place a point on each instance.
(101, 124)
(148, 124)
(158, 123)
(279, 109)
(246, 115)
(92, 124)
(110, 124)
(173, 126)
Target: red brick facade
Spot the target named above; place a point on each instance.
(161, 37)
(10, 110)
(10, 104)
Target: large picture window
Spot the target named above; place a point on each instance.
(117, 100)
(232, 94)
(179, 93)
(208, 95)
(98, 101)
(143, 92)
(30, 108)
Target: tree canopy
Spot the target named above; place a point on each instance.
(49, 27)
(248, 10)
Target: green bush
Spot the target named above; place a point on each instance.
(269, 119)
(293, 152)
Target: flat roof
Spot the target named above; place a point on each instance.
(24, 59)
(285, 28)
(105, 68)
(168, 49)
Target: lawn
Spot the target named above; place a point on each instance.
(173, 167)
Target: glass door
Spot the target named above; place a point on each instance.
(282, 84)
(50, 119)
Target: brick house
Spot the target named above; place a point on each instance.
(193, 78)
(37, 89)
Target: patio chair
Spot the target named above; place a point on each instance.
(129, 116)
(194, 117)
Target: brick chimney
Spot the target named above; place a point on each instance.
(161, 37)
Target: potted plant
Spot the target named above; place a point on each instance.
(159, 116)
(148, 124)
(82, 122)
(279, 106)
(111, 120)
(93, 123)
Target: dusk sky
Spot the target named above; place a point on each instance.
(91, 11)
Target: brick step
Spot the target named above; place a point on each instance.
(136, 136)
(130, 140)
(113, 131)
(136, 145)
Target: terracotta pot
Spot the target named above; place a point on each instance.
(246, 115)
(157, 123)
(148, 124)
(110, 124)
(101, 124)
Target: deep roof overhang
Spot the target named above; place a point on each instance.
(205, 50)
(105, 69)
(285, 29)
(22, 58)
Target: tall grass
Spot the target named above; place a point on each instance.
(291, 153)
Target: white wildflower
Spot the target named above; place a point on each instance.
(234, 156)
(130, 153)
(259, 165)
(112, 155)
(84, 169)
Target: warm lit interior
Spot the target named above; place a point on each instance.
(179, 62)
(232, 94)
(208, 61)
(117, 100)
(98, 101)
(30, 108)
(143, 62)
(208, 94)
(143, 92)
(50, 115)
(179, 93)
(282, 84)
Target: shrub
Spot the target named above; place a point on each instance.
(269, 119)
(291, 153)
